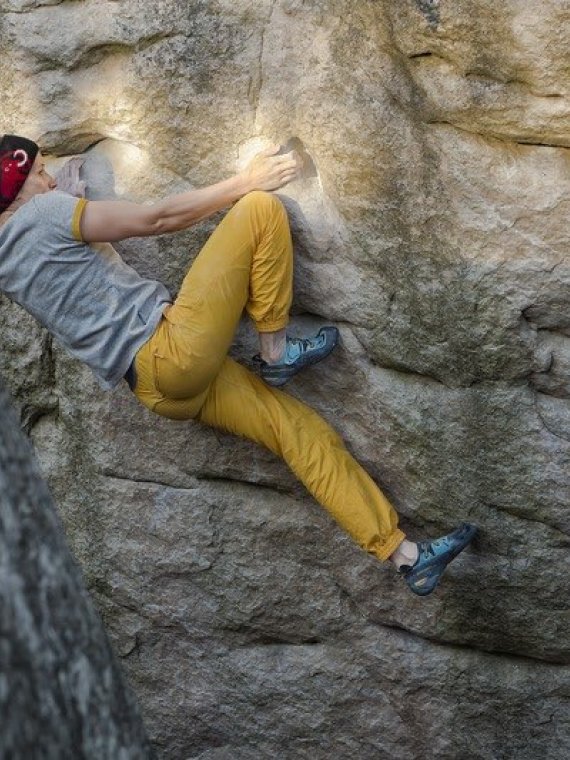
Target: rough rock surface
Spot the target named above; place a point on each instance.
(61, 692)
(435, 234)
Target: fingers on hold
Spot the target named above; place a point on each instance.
(287, 163)
(288, 177)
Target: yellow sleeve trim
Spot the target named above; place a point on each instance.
(75, 222)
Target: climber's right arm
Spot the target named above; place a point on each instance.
(109, 221)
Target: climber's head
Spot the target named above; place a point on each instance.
(22, 171)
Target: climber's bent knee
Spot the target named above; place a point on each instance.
(261, 204)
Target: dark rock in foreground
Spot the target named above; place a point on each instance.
(61, 693)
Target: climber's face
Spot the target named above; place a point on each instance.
(38, 180)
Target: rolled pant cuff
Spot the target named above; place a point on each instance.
(269, 327)
(385, 551)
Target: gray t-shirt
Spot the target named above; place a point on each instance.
(94, 304)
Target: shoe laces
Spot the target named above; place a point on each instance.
(430, 549)
(306, 344)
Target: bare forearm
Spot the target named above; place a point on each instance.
(177, 212)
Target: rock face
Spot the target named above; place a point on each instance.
(435, 234)
(61, 693)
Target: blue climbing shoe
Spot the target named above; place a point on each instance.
(299, 353)
(434, 556)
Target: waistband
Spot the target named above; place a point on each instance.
(131, 374)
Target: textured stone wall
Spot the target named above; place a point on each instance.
(435, 235)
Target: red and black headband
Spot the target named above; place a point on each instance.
(17, 155)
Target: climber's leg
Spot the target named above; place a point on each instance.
(237, 401)
(246, 262)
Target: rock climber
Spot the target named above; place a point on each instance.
(172, 352)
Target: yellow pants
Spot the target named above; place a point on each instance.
(183, 370)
